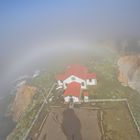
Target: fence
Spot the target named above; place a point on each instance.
(39, 111)
(129, 108)
(118, 100)
(107, 100)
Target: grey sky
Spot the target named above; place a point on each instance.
(31, 30)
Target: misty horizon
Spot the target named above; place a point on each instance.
(68, 68)
(32, 31)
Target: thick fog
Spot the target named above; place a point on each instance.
(35, 34)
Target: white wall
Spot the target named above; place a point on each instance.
(76, 79)
(92, 82)
(67, 99)
(60, 83)
(86, 98)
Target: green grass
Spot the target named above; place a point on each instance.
(109, 87)
(117, 121)
(44, 80)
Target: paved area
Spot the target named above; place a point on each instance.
(71, 124)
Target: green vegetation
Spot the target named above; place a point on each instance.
(108, 86)
(44, 80)
(117, 121)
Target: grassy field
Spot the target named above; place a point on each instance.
(108, 86)
(117, 121)
(45, 80)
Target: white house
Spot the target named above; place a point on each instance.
(76, 73)
(75, 79)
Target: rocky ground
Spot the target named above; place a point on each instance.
(129, 70)
(23, 98)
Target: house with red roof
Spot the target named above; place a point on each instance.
(75, 79)
(72, 91)
(76, 73)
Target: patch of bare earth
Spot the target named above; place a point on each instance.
(71, 124)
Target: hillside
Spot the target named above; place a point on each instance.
(105, 66)
(32, 104)
(129, 70)
(24, 97)
(108, 85)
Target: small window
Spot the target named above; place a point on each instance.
(83, 84)
(90, 80)
(72, 78)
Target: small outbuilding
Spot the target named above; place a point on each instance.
(86, 96)
(75, 79)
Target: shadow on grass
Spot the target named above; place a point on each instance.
(71, 125)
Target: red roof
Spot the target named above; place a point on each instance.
(73, 89)
(76, 70)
